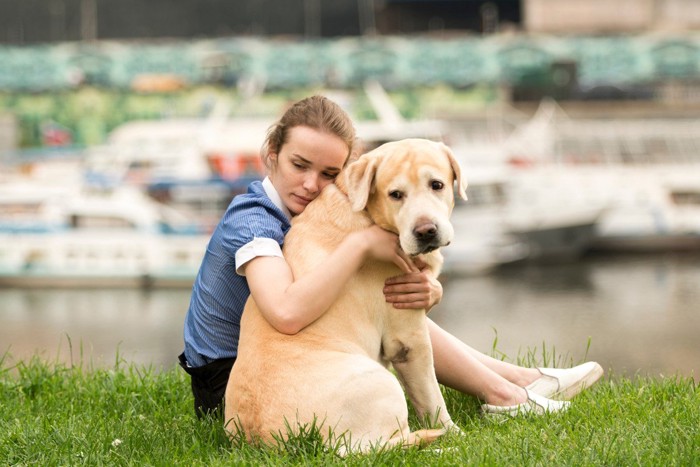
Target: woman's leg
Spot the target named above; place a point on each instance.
(465, 369)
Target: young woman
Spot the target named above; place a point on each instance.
(304, 152)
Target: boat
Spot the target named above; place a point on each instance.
(513, 215)
(650, 209)
(547, 212)
(193, 165)
(642, 175)
(609, 207)
(72, 237)
(480, 242)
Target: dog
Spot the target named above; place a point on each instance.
(335, 372)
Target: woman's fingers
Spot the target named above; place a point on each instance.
(412, 290)
(414, 301)
(407, 261)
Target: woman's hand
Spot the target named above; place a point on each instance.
(383, 245)
(417, 289)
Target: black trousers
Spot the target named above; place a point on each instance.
(208, 385)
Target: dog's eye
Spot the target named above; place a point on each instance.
(437, 185)
(396, 194)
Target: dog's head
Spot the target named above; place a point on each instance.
(407, 187)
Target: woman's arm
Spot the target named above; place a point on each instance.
(290, 304)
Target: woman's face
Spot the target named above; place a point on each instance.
(309, 161)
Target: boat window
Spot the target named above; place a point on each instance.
(100, 222)
(485, 195)
(19, 210)
(657, 146)
(686, 198)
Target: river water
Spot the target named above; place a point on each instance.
(633, 314)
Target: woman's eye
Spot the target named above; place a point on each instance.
(330, 176)
(396, 194)
(437, 185)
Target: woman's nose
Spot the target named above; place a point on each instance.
(311, 183)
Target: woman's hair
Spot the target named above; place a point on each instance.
(316, 112)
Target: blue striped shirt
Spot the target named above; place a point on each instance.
(212, 324)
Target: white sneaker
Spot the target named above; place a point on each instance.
(535, 404)
(563, 384)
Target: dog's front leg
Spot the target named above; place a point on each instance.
(407, 346)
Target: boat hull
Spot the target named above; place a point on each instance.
(100, 259)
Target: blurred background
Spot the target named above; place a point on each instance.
(127, 127)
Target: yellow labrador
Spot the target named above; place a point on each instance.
(335, 371)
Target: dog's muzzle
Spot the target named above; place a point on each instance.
(427, 237)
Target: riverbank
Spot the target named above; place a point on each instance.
(56, 414)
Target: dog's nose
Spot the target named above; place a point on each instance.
(425, 232)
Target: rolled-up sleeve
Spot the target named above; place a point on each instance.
(257, 247)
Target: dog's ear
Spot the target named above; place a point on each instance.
(459, 179)
(359, 179)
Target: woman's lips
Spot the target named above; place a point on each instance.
(302, 199)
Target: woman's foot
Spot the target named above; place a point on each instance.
(534, 404)
(565, 383)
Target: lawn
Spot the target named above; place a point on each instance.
(56, 414)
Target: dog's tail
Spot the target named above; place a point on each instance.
(420, 438)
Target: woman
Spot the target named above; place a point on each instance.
(304, 152)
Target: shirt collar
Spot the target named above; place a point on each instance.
(271, 193)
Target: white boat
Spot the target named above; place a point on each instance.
(70, 237)
(194, 165)
(651, 208)
(610, 207)
(547, 212)
(480, 242)
(515, 215)
(642, 174)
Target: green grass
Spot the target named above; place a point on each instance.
(55, 414)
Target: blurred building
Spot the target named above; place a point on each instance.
(517, 50)
(32, 21)
(37, 21)
(610, 16)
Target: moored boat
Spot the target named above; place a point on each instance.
(82, 238)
